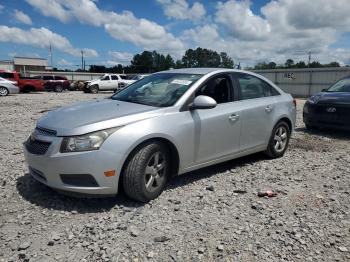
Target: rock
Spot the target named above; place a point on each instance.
(55, 236)
(51, 243)
(150, 254)
(161, 239)
(220, 247)
(24, 245)
(201, 250)
(134, 231)
(240, 191)
(210, 188)
(343, 249)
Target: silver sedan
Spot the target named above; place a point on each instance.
(187, 119)
(8, 87)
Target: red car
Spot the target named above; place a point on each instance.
(55, 83)
(25, 84)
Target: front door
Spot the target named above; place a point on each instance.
(217, 130)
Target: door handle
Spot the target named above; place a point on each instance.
(268, 109)
(233, 117)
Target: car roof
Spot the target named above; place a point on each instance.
(201, 70)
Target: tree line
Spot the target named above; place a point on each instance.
(291, 64)
(152, 61)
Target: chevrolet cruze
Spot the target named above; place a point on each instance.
(165, 124)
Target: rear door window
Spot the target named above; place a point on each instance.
(114, 77)
(47, 77)
(252, 87)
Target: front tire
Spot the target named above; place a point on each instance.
(58, 89)
(146, 172)
(279, 140)
(94, 89)
(3, 91)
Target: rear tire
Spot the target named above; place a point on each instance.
(3, 91)
(146, 172)
(94, 89)
(279, 140)
(58, 89)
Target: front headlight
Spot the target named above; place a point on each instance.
(313, 99)
(87, 142)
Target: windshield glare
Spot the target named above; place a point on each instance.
(340, 86)
(160, 90)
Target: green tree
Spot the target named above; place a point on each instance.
(289, 63)
(226, 61)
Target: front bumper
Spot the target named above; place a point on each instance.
(316, 115)
(81, 172)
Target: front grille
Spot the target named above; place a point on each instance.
(37, 147)
(79, 180)
(45, 131)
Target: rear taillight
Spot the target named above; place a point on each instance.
(295, 102)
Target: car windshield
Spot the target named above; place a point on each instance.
(340, 86)
(160, 90)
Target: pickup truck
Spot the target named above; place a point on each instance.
(107, 82)
(25, 84)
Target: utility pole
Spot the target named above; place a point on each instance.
(82, 60)
(309, 59)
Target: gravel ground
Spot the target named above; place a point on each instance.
(213, 214)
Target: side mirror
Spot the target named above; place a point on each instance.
(203, 102)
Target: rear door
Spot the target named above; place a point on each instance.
(257, 104)
(115, 81)
(217, 130)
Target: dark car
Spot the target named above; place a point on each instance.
(55, 83)
(330, 108)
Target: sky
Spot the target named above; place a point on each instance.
(110, 32)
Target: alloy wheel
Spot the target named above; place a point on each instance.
(280, 139)
(3, 91)
(155, 172)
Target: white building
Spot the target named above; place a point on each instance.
(23, 64)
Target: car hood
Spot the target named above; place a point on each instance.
(90, 116)
(334, 97)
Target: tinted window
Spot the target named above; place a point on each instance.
(60, 78)
(218, 88)
(124, 77)
(105, 78)
(340, 86)
(6, 75)
(47, 77)
(114, 77)
(253, 87)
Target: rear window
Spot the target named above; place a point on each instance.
(124, 77)
(60, 78)
(47, 77)
(6, 75)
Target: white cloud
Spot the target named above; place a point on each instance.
(123, 26)
(22, 17)
(51, 8)
(240, 21)
(277, 34)
(64, 62)
(121, 56)
(43, 38)
(180, 9)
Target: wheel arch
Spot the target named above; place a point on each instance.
(174, 156)
(288, 121)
